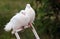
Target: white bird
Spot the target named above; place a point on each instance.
(17, 21)
(31, 13)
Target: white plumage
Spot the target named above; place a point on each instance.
(31, 13)
(21, 19)
(17, 21)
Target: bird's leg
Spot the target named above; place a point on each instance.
(17, 30)
(29, 24)
(20, 29)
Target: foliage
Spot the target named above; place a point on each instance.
(46, 22)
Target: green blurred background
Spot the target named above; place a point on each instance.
(47, 22)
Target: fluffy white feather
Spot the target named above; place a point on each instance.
(17, 21)
(30, 11)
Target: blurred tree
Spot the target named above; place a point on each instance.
(49, 19)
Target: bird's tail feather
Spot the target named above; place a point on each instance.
(8, 27)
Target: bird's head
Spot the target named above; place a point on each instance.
(22, 11)
(28, 6)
